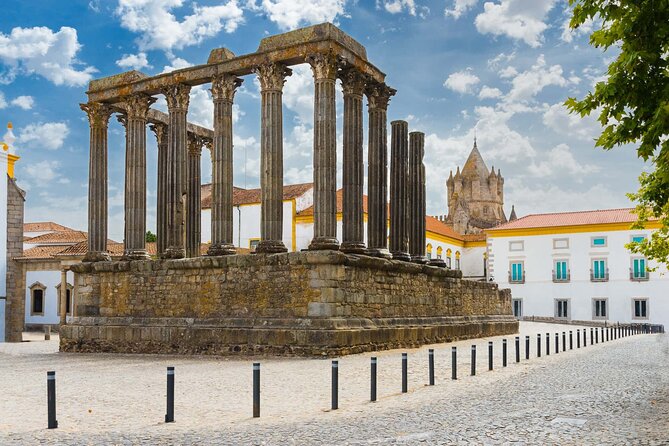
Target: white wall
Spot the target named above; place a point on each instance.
(539, 291)
(3, 241)
(445, 247)
(472, 261)
(50, 279)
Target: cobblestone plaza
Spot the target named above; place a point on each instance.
(609, 393)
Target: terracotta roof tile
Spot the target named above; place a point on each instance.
(249, 196)
(45, 226)
(439, 227)
(41, 252)
(624, 215)
(58, 237)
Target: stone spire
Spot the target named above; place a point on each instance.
(513, 216)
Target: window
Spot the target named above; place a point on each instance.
(457, 259)
(37, 292)
(517, 307)
(598, 242)
(517, 245)
(253, 244)
(638, 270)
(440, 250)
(599, 271)
(640, 308)
(562, 308)
(68, 298)
(428, 249)
(517, 273)
(560, 243)
(448, 262)
(599, 308)
(561, 271)
(638, 238)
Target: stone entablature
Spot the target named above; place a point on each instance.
(304, 303)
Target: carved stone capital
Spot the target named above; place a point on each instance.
(98, 113)
(224, 86)
(353, 82)
(272, 76)
(177, 96)
(324, 66)
(195, 144)
(123, 119)
(160, 130)
(378, 95)
(137, 105)
(209, 144)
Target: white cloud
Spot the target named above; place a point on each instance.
(397, 6)
(50, 135)
(24, 102)
(134, 61)
(497, 139)
(496, 62)
(298, 94)
(462, 81)
(3, 102)
(42, 173)
(508, 72)
(560, 161)
(558, 118)
(460, 7)
(569, 34)
(160, 29)
(41, 51)
(518, 19)
(291, 14)
(201, 107)
(489, 93)
(526, 85)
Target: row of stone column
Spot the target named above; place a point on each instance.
(179, 169)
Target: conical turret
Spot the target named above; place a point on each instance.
(513, 216)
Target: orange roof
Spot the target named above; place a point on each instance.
(41, 252)
(438, 227)
(603, 216)
(58, 237)
(45, 226)
(340, 204)
(249, 196)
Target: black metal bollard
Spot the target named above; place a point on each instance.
(527, 348)
(430, 360)
(256, 390)
(596, 336)
(503, 352)
(473, 368)
(517, 348)
(51, 399)
(490, 347)
(548, 344)
(454, 363)
(169, 416)
(557, 343)
(564, 341)
(571, 340)
(602, 333)
(372, 383)
(578, 338)
(335, 385)
(538, 345)
(592, 336)
(404, 373)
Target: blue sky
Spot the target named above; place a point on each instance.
(500, 69)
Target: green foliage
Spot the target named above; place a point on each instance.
(150, 236)
(633, 101)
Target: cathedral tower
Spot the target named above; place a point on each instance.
(475, 196)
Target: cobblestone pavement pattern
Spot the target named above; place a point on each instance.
(613, 393)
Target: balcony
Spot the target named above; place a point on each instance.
(639, 276)
(599, 277)
(559, 278)
(517, 280)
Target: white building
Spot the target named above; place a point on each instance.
(575, 266)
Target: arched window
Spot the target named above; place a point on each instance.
(457, 259)
(448, 258)
(428, 249)
(37, 299)
(440, 250)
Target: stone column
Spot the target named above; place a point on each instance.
(223, 89)
(399, 165)
(177, 103)
(353, 225)
(417, 197)
(324, 67)
(63, 296)
(137, 108)
(193, 194)
(98, 118)
(378, 96)
(272, 77)
(160, 130)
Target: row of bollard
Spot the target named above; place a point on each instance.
(606, 334)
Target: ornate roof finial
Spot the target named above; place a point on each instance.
(513, 216)
(474, 136)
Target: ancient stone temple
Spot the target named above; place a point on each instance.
(336, 298)
(475, 196)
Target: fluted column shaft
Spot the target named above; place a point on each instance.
(378, 96)
(160, 130)
(417, 197)
(223, 91)
(98, 117)
(193, 196)
(177, 104)
(272, 78)
(324, 67)
(63, 297)
(137, 108)
(399, 160)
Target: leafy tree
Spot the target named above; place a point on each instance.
(150, 236)
(633, 101)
